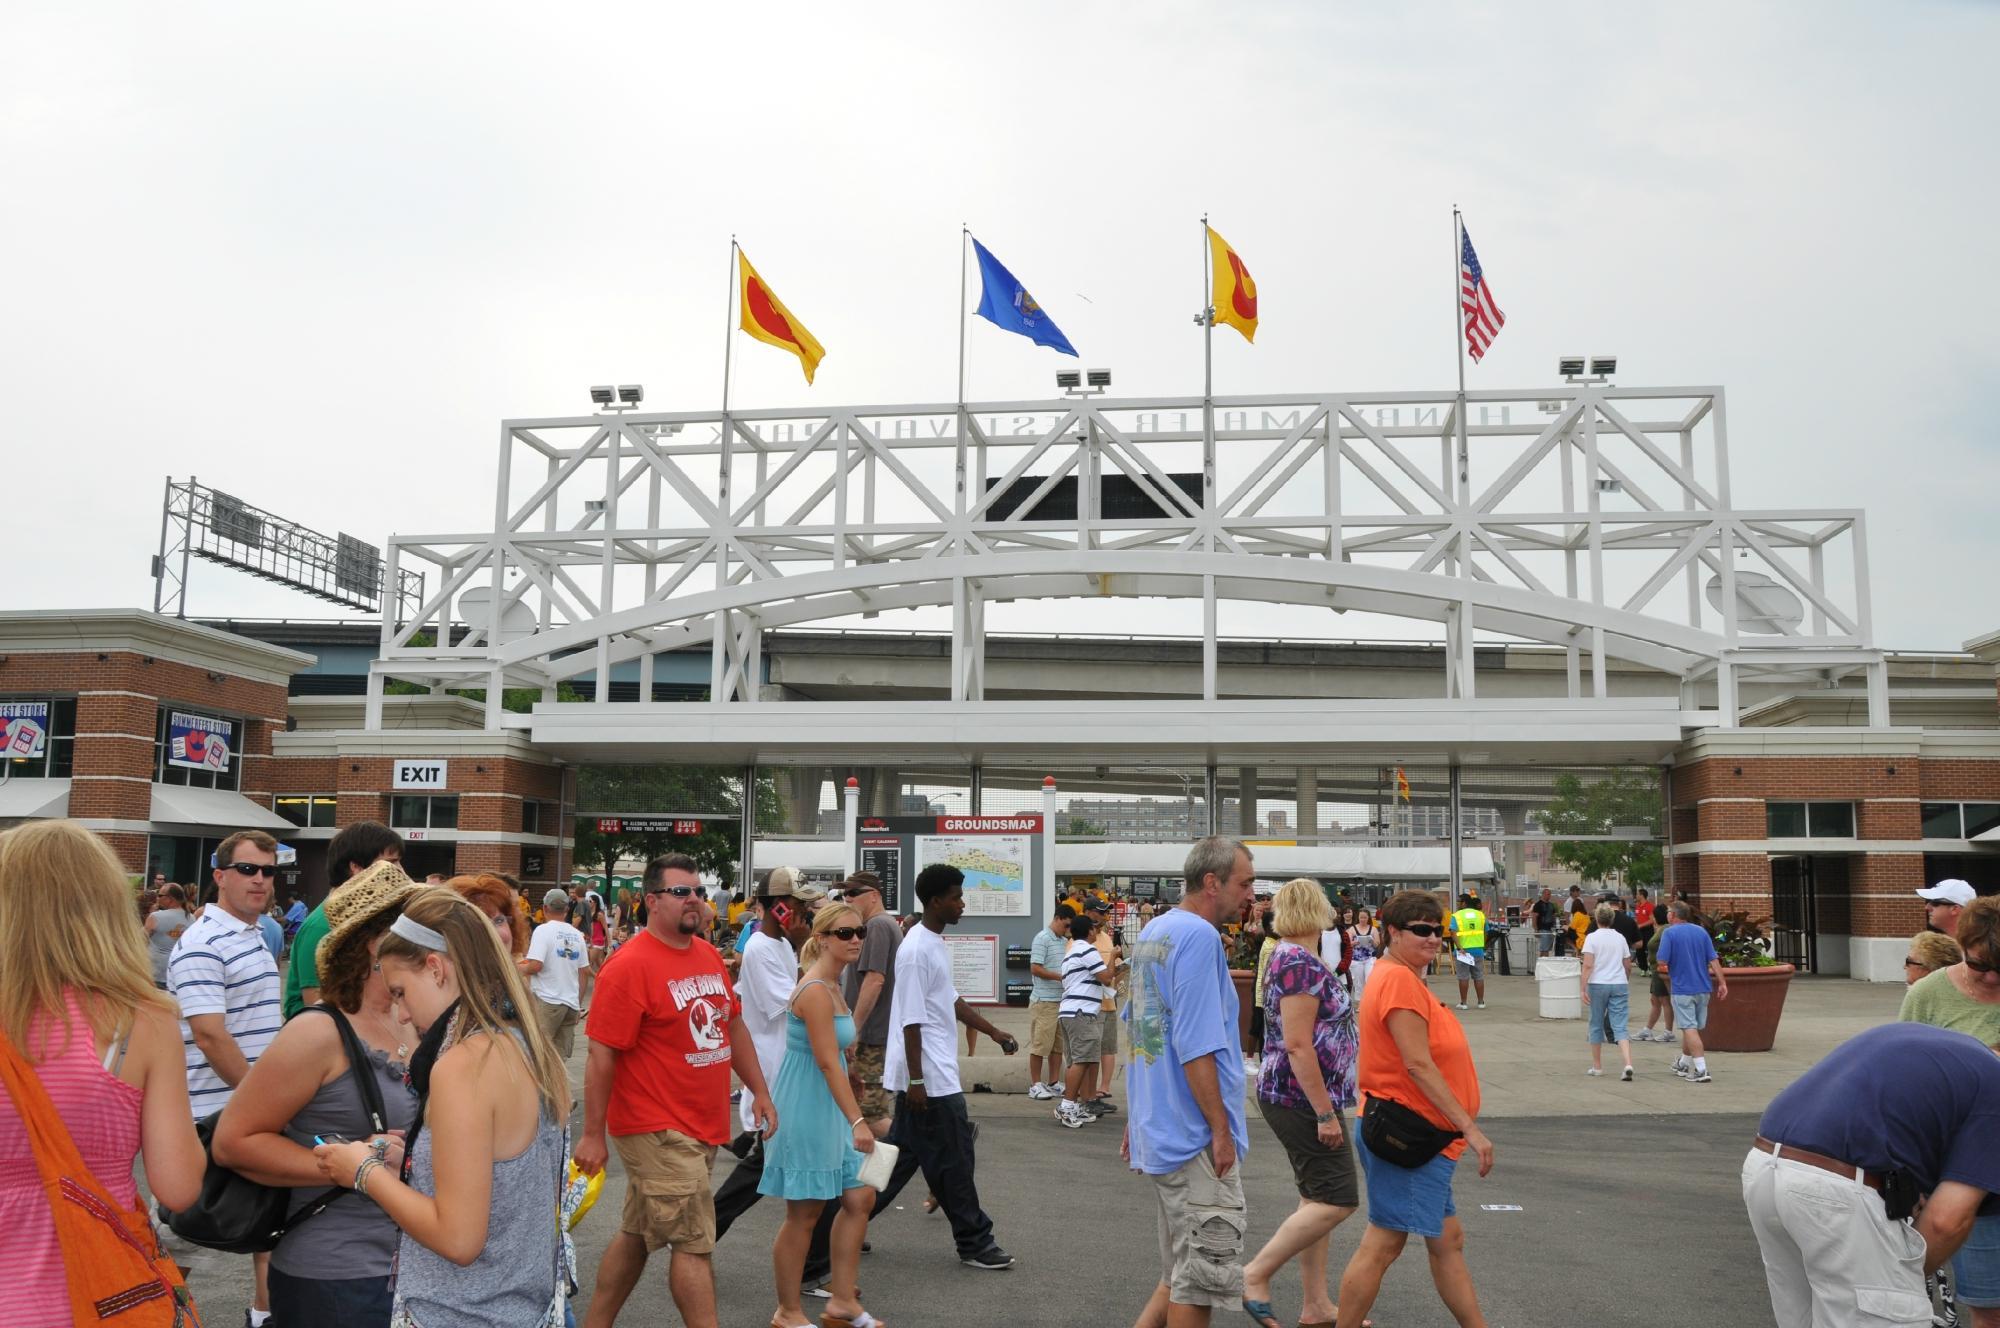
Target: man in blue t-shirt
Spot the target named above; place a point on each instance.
(1184, 1085)
(1045, 1043)
(1687, 958)
(1898, 1113)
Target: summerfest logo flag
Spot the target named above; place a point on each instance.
(765, 317)
(1234, 292)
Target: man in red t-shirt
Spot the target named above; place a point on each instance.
(666, 1030)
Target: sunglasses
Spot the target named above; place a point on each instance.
(269, 869)
(677, 891)
(1980, 968)
(857, 892)
(1424, 929)
(846, 933)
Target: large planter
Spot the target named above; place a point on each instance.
(1748, 1020)
(1246, 988)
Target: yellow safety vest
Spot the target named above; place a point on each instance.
(1471, 929)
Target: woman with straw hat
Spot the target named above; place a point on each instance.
(334, 1270)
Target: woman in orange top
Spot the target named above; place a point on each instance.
(1414, 1053)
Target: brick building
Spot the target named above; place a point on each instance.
(164, 736)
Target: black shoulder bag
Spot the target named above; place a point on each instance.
(241, 1216)
(1395, 1133)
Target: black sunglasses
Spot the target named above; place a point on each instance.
(846, 933)
(269, 869)
(677, 891)
(1978, 967)
(857, 892)
(1424, 929)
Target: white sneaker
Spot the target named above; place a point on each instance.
(1482, 1005)
(1462, 1005)
(1040, 1092)
(1072, 1117)
(1643, 1035)
(1594, 1072)
(1625, 1076)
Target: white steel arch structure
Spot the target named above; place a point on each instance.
(1592, 518)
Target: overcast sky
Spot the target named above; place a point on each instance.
(312, 253)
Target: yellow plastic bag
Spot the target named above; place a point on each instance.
(579, 1196)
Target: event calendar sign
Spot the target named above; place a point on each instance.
(24, 729)
(975, 966)
(197, 742)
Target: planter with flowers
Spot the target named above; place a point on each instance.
(1748, 1019)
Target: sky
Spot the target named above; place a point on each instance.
(313, 253)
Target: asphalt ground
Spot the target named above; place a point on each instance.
(1626, 1220)
(1630, 1209)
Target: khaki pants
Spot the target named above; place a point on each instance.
(1832, 1258)
(558, 1025)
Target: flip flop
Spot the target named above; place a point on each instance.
(1261, 1313)
(861, 1320)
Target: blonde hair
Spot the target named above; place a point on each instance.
(487, 978)
(824, 921)
(1300, 909)
(93, 945)
(1935, 950)
(1605, 913)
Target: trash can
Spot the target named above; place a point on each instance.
(1556, 983)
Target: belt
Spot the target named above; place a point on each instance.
(1845, 1170)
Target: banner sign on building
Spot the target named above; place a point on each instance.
(197, 742)
(24, 729)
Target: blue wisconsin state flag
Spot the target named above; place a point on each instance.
(1006, 304)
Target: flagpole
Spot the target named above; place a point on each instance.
(964, 236)
(720, 645)
(729, 341)
(1207, 369)
(1458, 340)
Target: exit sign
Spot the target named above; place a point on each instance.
(646, 825)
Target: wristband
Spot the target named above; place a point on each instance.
(1323, 1117)
(856, 1121)
(361, 1173)
(917, 1082)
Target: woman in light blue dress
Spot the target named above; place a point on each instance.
(815, 1157)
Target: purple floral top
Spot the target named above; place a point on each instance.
(1296, 971)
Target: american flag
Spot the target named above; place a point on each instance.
(1483, 319)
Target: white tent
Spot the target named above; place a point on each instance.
(1342, 862)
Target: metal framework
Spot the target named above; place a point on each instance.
(203, 522)
(1592, 518)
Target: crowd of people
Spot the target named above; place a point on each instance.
(400, 1087)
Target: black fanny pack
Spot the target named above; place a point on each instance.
(1395, 1133)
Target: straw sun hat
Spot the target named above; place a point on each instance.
(367, 894)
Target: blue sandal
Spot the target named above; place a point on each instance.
(1261, 1313)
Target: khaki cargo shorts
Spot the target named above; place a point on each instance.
(1202, 1221)
(1044, 1037)
(667, 1197)
(1108, 1046)
(866, 1065)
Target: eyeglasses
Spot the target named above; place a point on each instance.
(677, 891)
(246, 869)
(1424, 929)
(857, 892)
(1915, 963)
(846, 933)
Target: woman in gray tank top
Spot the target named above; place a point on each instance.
(164, 926)
(486, 1251)
(331, 1270)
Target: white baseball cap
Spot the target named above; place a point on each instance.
(1950, 892)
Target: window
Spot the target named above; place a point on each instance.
(1959, 820)
(1809, 820)
(305, 810)
(418, 813)
(531, 817)
(196, 748)
(56, 718)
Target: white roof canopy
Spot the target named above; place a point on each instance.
(212, 809)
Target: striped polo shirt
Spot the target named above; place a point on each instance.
(1082, 992)
(222, 966)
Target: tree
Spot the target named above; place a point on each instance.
(666, 789)
(1082, 829)
(1625, 798)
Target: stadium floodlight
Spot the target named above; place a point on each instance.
(1603, 366)
(604, 395)
(631, 394)
(1099, 377)
(1068, 378)
(1570, 367)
